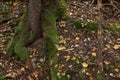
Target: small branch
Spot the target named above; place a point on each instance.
(100, 45)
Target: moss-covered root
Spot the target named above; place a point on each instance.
(52, 60)
(10, 48)
(20, 50)
(48, 23)
(52, 39)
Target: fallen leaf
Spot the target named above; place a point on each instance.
(22, 69)
(77, 61)
(116, 46)
(117, 70)
(63, 74)
(61, 48)
(35, 74)
(106, 62)
(67, 57)
(111, 74)
(15, 3)
(94, 54)
(77, 38)
(73, 58)
(1, 35)
(85, 65)
(58, 73)
(108, 46)
(65, 30)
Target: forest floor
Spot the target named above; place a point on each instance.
(77, 47)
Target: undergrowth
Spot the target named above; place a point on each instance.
(93, 25)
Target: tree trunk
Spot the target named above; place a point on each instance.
(36, 20)
(100, 42)
(27, 31)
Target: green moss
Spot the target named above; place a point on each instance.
(10, 48)
(61, 10)
(52, 51)
(2, 77)
(20, 26)
(19, 41)
(88, 25)
(98, 76)
(48, 23)
(78, 23)
(112, 28)
(20, 49)
(92, 25)
(50, 27)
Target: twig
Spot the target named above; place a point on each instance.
(100, 42)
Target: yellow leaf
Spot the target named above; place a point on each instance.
(108, 46)
(1, 35)
(61, 48)
(67, 58)
(111, 74)
(106, 62)
(41, 60)
(73, 58)
(65, 30)
(22, 69)
(89, 39)
(58, 73)
(77, 61)
(70, 66)
(62, 41)
(63, 74)
(116, 46)
(83, 70)
(85, 65)
(15, 3)
(117, 70)
(61, 37)
(94, 54)
(71, 13)
(4, 52)
(77, 38)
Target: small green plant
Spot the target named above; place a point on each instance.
(92, 25)
(98, 76)
(112, 28)
(78, 24)
(1, 77)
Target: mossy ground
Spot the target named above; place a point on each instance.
(93, 26)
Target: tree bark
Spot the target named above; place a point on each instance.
(100, 42)
(27, 31)
(34, 13)
(36, 20)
